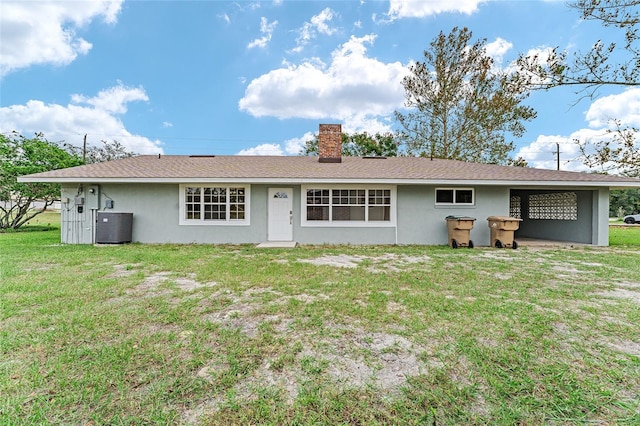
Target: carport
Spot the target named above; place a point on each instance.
(563, 215)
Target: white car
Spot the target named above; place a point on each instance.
(632, 218)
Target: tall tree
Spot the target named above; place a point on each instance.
(108, 151)
(360, 145)
(461, 106)
(608, 63)
(20, 156)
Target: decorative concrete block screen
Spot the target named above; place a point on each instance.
(555, 206)
(515, 207)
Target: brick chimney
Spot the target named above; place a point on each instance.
(330, 143)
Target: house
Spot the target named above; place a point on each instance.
(327, 199)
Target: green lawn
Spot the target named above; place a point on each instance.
(222, 335)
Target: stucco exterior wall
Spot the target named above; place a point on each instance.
(156, 210)
(420, 221)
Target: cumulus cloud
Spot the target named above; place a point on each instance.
(319, 24)
(421, 8)
(542, 153)
(266, 29)
(293, 146)
(44, 32)
(263, 149)
(96, 116)
(624, 107)
(352, 84)
(498, 48)
(113, 100)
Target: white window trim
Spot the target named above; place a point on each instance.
(348, 223)
(228, 222)
(454, 189)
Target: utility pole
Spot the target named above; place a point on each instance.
(557, 152)
(84, 150)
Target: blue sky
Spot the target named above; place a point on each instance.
(257, 77)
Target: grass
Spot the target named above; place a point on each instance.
(223, 335)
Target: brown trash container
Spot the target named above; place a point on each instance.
(502, 230)
(459, 228)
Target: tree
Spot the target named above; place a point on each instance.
(97, 154)
(360, 145)
(461, 106)
(605, 64)
(615, 151)
(623, 202)
(20, 156)
(613, 64)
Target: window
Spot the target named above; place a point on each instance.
(379, 205)
(554, 206)
(215, 205)
(348, 206)
(453, 196)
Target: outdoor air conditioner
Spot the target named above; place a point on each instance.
(114, 228)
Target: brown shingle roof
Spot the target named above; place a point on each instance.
(174, 168)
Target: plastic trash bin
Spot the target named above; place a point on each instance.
(502, 230)
(459, 228)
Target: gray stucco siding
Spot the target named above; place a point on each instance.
(156, 217)
(156, 211)
(421, 221)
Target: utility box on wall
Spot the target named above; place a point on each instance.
(114, 228)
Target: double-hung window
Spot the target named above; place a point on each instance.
(214, 205)
(348, 206)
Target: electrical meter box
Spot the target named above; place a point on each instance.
(114, 228)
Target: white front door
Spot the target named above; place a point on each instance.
(280, 222)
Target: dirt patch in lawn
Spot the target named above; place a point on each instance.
(378, 264)
(346, 355)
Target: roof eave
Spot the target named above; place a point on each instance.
(295, 181)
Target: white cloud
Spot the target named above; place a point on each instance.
(294, 146)
(266, 29)
(289, 147)
(319, 24)
(624, 106)
(264, 149)
(359, 123)
(167, 124)
(44, 32)
(95, 116)
(542, 153)
(498, 48)
(422, 8)
(113, 100)
(353, 84)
